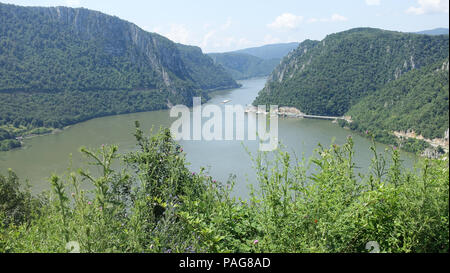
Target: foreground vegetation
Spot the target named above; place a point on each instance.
(155, 204)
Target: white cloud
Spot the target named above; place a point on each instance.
(207, 37)
(338, 18)
(178, 33)
(286, 21)
(214, 36)
(244, 42)
(73, 3)
(206, 26)
(269, 39)
(220, 43)
(429, 6)
(334, 18)
(228, 41)
(227, 25)
(373, 2)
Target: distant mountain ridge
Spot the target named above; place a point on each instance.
(253, 62)
(243, 66)
(436, 31)
(271, 51)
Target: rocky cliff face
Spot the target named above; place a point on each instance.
(203, 70)
(293, 62)
(328, 77)
(118, 36)
(122, 44)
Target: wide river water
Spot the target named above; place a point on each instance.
(44, 155)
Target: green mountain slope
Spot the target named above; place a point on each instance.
(60, 66)
(267, 52)
(253, 62)
(436, 31)
(56, 49)
(328, 77)
(243, 66)
(203, 70)
(418, 101)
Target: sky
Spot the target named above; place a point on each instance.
(227, 25)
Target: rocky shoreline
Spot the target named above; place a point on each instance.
(435, 143)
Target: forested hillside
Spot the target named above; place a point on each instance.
(61, 65)
(272, 51)
(386, 81)
(56, 49)
(202, 69)
(436, 31)
(417, 101)
(244, 66)
(328, 77)
(253, 62)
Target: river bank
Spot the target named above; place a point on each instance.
(439, 146)
(59, 153)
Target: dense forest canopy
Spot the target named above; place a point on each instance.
(60, 49)
(61, 65)
(418, 101)
(203, 70)
(328, 77)
(386, 81)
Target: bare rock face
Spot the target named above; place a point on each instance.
(290, 64)
(117, 36)
(445, 66)
(290, 112)
(436, 143)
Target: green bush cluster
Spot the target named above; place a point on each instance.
(9, 144)
(153, 203)
(7, 140)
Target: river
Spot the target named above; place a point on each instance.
(57, 153)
